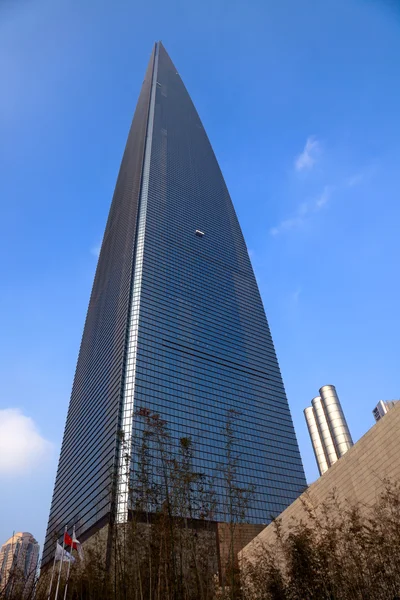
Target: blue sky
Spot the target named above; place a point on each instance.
(301, 103)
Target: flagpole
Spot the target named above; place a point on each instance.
(69, 563)
(77, 545)
(61, 562)
(52, 573)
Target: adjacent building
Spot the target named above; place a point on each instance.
(19, 557)
(328, 429)
(175, 324)
(382, 408)
(359, 477)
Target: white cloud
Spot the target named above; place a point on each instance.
(304, 208)
(296, 296)
(354, 180)
(96, 250)
(308, 157)
(361, 177)
(287, 224)
(324, 197)
(304, 211)
(21, 445)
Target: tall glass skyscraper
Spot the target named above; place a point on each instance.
(175, 324)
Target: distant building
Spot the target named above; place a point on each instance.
(18, 563)
(358, 478)
(382, 408)
(328, 429)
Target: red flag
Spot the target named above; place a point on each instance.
(68, 541)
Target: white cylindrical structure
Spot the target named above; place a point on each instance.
(336, 420)
(324, 432)
(316, 440)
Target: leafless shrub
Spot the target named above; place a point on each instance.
(340, 552)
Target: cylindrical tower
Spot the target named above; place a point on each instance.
(336, 420)
(323, 429)
(316, 440)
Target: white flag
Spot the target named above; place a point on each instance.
(77, 545)
(62, 554)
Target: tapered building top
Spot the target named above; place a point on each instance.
(175, 324)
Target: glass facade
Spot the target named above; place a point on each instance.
(175, 323)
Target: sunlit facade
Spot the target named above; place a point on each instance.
(175, 324)
(19, 557)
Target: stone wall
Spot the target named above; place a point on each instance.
(357, 477)
(242, 535)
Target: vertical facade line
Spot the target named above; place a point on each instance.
(128, 397)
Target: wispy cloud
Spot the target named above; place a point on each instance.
(354, 180)
(21, 445)
(95, 250)
(304, 212)
(306, 209)
(324, 197)
(287, 224)
(361, 177)
(295, 296)
(308, 157)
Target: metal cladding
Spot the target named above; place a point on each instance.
(316, 440)
(327, 426)
(324, 432)
(336, 420)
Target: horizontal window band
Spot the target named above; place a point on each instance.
(209, 357)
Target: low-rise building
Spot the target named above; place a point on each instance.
(359, 477)
(382, 408)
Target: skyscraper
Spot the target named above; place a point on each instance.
(18, 565)
(175, 324)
